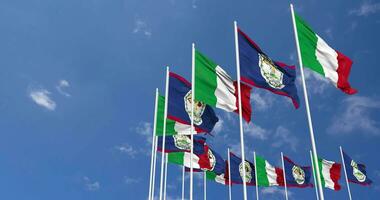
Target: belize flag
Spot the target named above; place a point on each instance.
(356, 173)
(181, 143)
(258, 70)
(236, 166)
(297, 176)
(179, 105)
(217, 163)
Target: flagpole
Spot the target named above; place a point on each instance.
(315, 180)
(345, 172)
(164, 131)
(229, 175)
(166, 174)
(192, 117)
(256, 182)
(183, 182)
(240, 109)
(314, 148)
(153, 150)
(204, 186)
(283, 170)
(154, 166)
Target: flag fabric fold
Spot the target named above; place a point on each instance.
(297, 176)
(318, 56)
(216, 88)
(181, 143)
(257, 69)
(172, 127)
(267, 175)
(330, 173)
(179, 105)
(237, 167)
(356, 172)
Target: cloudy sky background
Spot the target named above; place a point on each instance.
(77, 86)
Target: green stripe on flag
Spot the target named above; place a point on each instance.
(308, 44)
(205, 79)
(176, 158)
(160, 119)
(320, 164)
(262, 176)
(210, 175)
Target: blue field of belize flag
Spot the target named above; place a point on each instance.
(237, 168)
(258, 70)
(181, 143)
(356, 173)
(297, 176)
(179, 105)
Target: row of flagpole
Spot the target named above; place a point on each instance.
(313, 153)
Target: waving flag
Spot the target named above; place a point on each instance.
(217, 178)
(318, 56)
(216, 88)
(267, 175)
(356, 173)
(297, 176)
(179, 105)
(172, 127)
(330, 173)
(236, 166)
(180, 143)
(258, 70)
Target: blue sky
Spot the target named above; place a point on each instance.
(77, 88)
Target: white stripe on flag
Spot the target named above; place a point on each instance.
(271, 174)
(225, 91)
(328, 58)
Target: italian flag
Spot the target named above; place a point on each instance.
(267, 175)
(210, 175)
(183, 158)
(318, 56)
(330, 174)
(172, 127)
(215, 87)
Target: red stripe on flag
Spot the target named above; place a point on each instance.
(344, 68)
(245, 99)
(280, 176)
(335, 175)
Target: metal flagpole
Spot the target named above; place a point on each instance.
(240, 109)
(192, 117)
(283, 169)
(229, 175)
(183, 182)
(164, 131)
(154, 166)
(153, 149)
(314, 148)
(204, 186)
(166, 174)
(345, 172)
(257, 183)
(315, 179)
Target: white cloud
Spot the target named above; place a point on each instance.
(142, 27)
(146, 130)
(129, 180)
(366, 8)
(274, 191)
(41, 97)
(329, 33)
(316, 83)
(256, 131)
(62, 84)
(91, 185)
(194, 4)
(262, 100)
(283, 137)
(355, 114)
(218, 126)
(127, 149)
